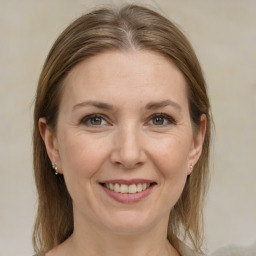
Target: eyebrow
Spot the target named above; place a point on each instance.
(106, 106)
(97, 104)
(161, 104)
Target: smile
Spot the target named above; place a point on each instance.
(128, 191)
(125, 188)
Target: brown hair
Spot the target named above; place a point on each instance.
(131, 27)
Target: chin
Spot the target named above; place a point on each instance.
(127, 222)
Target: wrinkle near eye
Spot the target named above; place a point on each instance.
(162, 120)
(94, 120)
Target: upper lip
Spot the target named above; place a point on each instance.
(128, 182)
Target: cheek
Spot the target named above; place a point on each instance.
(171, 155)
(80, 156)
(174, 171)
(81, 159)
(170, 158)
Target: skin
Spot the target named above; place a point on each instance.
(130, 140)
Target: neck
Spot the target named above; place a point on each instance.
(116, 245)
(90, 241)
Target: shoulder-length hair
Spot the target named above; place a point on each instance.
(130, 27)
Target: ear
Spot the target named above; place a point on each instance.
(197, 144)
(51, 142)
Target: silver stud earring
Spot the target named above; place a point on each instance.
(55, 168)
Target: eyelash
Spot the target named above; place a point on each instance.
(170, 120)
(89, 118)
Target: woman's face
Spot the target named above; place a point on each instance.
(124, 140)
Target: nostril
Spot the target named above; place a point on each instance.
(127, 165)
(128, 156)
(132, 166)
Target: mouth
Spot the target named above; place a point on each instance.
(127, 187)
(128, 191)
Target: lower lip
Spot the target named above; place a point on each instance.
(128, 198)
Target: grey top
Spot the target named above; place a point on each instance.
(236, 250)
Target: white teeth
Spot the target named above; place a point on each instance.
(132, 189)
(127, 189)
(116, 188)
(139, 187)
(124, 188)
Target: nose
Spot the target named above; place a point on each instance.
(128, 150)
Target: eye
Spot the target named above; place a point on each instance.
(94, 120)
(161, 120)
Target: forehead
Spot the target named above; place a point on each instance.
(125, 75)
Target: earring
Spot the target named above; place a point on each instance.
(55, 168)
(191, 167)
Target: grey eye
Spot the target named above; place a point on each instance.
(158, 120)
(95, 120)
(161, 119)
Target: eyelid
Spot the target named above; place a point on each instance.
(86, 118)
(170, 119)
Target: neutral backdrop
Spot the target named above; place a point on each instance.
(223, 33)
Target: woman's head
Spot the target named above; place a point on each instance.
(132, 29)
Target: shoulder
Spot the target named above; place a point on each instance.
(236, 250)
(186, 250)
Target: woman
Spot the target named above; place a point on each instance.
(121, 139)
